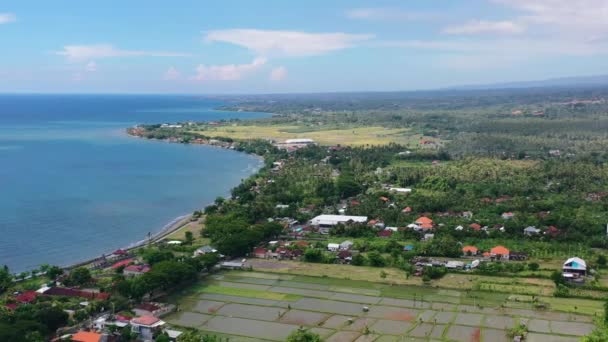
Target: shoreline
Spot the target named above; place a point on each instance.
(174, 225)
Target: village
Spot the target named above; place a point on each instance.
(335, 214)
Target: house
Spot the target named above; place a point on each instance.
(26, 297)
(507, 215)
(260, 252)
(146, 309)
(423, 220)
(204, 250)
(531, 230)
(384, 199)
(146, 327)
(552, 231)
(302, 244)
(333, 247)
(500, 252)
(299, 141)
(345, 256)
(475, 226)
(519, 256)
(406, 210)
(135, 270)
(453, 264)
(68, 292)
(346, 245)
(428, 237)
(387, 233)
(326, 222)
(87, 336)
(467, 214)
(574, 268)
(377, 224)
(400, 190)
(459, 228)
(408, 248)
(555, 153)
(470, 250)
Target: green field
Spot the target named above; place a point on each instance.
(355, 136)
(268, 306)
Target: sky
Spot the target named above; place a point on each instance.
(271, 46)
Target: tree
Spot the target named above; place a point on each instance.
(601, 260)
(375, 259)
(79, 276)
(358, 260)
(54, 272)
(313, 255)
(347, 186)
(533, 266)
(6, 279)
(189, 237)
(303, 335)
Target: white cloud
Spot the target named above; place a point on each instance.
(227, 72)
(278, 73)
(6, 18)
(586, 19)
(79, 53)
(287, 43)
(91, 66)
(172, 74)
(486, 27)
(382, 13)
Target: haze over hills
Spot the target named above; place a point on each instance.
(574, 81)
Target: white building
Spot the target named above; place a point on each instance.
(574, 268)
(401, 190)
(326, 222)
(299, 141)
(333, 247)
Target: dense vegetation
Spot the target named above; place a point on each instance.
(499, 123)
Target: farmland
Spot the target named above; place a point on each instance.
(268, 306)
(332, 135)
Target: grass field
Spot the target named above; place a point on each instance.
(245, 305)
(356, 136)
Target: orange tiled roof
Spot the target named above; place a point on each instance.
(86, 336)
(502, 250)
(424, 219)
(471, 249)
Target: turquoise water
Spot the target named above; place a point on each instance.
(73, 185)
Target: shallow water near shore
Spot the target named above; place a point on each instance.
(73, 185)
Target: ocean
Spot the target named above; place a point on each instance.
(74, 186)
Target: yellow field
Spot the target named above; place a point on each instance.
(359, 136)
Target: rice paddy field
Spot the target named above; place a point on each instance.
(355, 136)
(264, 306)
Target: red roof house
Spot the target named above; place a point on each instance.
(86, 336)
(470, 249)
(385, 233)
(424, 220)
(260, 252)
(475, 226)
(500, 251)
(26, 297)
(135, 270)
(121, 263)
(407, 210)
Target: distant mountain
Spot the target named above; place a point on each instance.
(580, 81)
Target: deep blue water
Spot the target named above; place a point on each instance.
(73, 185)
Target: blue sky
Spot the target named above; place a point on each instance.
(254, 46)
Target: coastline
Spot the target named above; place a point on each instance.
(174, 225)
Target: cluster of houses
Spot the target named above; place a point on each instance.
(145, 325)
(291, 145)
